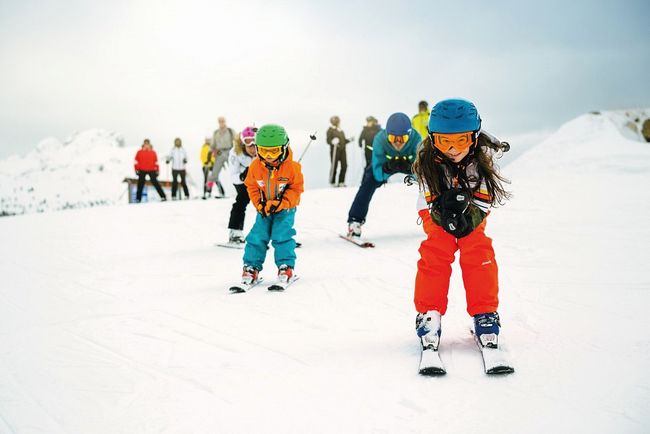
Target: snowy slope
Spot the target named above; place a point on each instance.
(117, 319)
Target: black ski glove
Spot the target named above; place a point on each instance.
(453, 206)
(455, 200)
(403, 165)
(242, 176)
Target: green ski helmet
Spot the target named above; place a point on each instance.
(272, 136)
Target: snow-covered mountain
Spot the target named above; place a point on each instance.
(83, 170)
(118, 319)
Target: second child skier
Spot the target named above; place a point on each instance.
(274, 183)
(459, 184)
(239, 159)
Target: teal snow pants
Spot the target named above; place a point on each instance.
(278, 229)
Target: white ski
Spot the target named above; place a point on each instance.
(430, 363)
(243, 287)
(281, 286)
(363, 243)
(229, 245)
(495, 360)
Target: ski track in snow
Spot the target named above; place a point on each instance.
(119, 319)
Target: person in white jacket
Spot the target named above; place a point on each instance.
(239, 158)
(178, 158)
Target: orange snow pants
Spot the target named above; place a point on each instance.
(479, 267)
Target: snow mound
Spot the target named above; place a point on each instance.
(629, 122)
(84, 170)
(594, 141)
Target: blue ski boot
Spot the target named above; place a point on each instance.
(427, 326)
(486, 328)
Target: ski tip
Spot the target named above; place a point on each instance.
(276, 288)
(236, 290)
(432, 372)
(500, 370)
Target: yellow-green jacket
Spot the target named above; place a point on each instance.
(420, 122)
(206, 155)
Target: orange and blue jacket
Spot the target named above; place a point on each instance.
(284, 182)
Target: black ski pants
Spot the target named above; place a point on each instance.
(153, 176)
(175, 175)
(361, 203)
(238, 211)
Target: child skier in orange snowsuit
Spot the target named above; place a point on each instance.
(274, 183)
(459, 184)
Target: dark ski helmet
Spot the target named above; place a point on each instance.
(398, 124)
(451, 116)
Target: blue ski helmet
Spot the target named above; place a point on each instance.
(398, 124)
(454, 116)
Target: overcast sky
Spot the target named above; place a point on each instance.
(163, 69)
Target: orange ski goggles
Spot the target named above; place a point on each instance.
(458, 141)
(393, 137)
(270, 153)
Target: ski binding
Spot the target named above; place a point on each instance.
(244, 287)
(495, 360)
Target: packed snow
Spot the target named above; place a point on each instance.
(117, 319)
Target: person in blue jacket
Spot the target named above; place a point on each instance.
(393, 151)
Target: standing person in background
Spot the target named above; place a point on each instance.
(421, 120)
(146, 163)
(337, 141)
(207, 162)
(239, 159)
(222, 141)
(367, 136)
(178, 157)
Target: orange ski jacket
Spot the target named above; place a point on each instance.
(284, 182)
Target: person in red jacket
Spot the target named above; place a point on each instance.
(146, 163)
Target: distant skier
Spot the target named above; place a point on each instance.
(421, 120)
(274, 184)
(207, 161)
(239, 159)
(393, 151)
(146, 164)
(459, 184)
(338, 154)
(222, 142)
(178, 157)
(367, 136)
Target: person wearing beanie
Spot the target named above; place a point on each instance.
(393, 151)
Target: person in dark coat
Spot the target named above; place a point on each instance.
(367, 136)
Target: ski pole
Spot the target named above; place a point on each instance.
(495, 143)
(312, 137)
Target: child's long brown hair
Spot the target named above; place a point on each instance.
(429, 170)
(238, 145)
